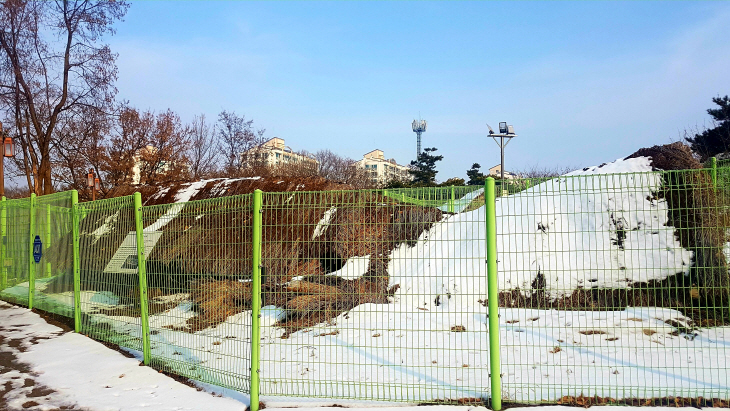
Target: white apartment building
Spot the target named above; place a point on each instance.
(275, 152)
(382, 170)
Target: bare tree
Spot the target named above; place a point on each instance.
(202, 150)
(133, 132)
(238, 141)
(537, 171)
(163, 160)
(85, 135)
(328, 165)
(341, 169)
(147, 149)
(52, 66)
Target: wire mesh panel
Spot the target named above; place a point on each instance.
(371, 298)
(15, 219)
(199, 287)
(109, 296)
(447, 199)
(53, 228)
(616, 286)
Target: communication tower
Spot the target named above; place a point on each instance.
(419, 127)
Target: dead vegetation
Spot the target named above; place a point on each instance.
(698, 402)
(206, 248)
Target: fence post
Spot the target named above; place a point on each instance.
(142, 272)
(31, 263)
(493, 292)
(75, 221)
(3, 244)
(256, 298)
(713, 165)
(451, 200)
(48, 240)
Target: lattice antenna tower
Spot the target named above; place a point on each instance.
(419, 127)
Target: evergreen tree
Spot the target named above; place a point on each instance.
(476, 177)
(424, 170)
(715, 140)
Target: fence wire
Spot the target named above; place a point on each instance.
(615, 286)
(360, 300)
(109, 295)
(53, 226)
(199, 288)
(16, 250)
(612, 287)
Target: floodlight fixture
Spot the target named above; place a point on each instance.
(505, 132)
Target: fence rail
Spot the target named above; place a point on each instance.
(612, 287)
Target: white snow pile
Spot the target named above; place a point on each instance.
(590, 228)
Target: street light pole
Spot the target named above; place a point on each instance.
(501, 160)
(507, 132)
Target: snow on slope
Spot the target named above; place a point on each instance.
(566, 229)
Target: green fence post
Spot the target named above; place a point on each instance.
(48, 240)
(142, 271)
(493, 292)
(713, 164)
(3, 244)
(31, 263)
(451, 200)
(256, 299)
(75, 221)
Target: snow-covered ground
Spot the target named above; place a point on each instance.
(590, 229)
(53, 368)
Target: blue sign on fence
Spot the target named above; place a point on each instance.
(37, 249)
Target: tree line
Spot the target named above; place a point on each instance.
(58, 103)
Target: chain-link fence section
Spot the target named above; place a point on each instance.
(586, 288)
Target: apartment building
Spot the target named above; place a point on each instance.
(381, 169)
(275, 152)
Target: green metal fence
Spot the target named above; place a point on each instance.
(589, 288)
(614, 286)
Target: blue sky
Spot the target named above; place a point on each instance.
(582, 82)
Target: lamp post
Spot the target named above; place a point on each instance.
(8, 151)
(507, 132)
(92, 183)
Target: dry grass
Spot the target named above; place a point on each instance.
(677, 402)
(592, 332)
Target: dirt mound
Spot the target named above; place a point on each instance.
(675, 156)
(308, 235)
(226, 187)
